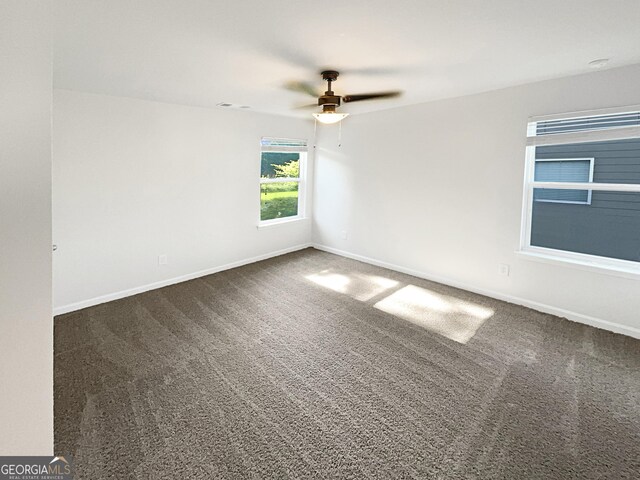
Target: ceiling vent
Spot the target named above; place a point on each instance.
(232, 105)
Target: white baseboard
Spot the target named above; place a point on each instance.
(541, 307)
(570, 315)
(72, 307)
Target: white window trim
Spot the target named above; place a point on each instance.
(591, 163)
(592, 263)
(597, 263)
(301, 180)
(280, 221)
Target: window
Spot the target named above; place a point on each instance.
(563, 170)
(282, 173)
(582, 188)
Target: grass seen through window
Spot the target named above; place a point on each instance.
(278, 198)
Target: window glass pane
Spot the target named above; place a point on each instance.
(615, 161)
(566, 196)
(278, 200)
(562, 171)
(280, 164)
(608, 227)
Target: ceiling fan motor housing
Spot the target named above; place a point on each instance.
(329, 100)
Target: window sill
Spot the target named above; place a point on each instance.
(280, 222)
(591, 266)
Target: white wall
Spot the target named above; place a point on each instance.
(437, 189)
(134, 179)
(26, 335)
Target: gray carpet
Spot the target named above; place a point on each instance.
(311, 365)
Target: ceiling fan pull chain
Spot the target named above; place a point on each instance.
(315, 132)
(340, 134)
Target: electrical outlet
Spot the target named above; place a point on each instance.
(503, 269)
(162, 259)
(344, 234)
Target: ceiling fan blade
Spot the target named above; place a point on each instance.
(291, 55)
(381, 70)
(371, 71)
(303, 87)
(303, 107)
(370, 96)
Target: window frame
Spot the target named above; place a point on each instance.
(300, 180)
(591, 165)
(626, 268)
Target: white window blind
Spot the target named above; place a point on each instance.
(270, 144)
(555, 130)
(581, 124)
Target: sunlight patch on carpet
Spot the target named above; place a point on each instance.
(357, 285)
(448, 316)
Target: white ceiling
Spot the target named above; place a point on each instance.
(199, 52)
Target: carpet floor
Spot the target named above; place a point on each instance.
(311, 365)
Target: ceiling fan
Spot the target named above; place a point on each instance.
(329, 101)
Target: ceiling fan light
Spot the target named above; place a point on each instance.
(330, 117)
